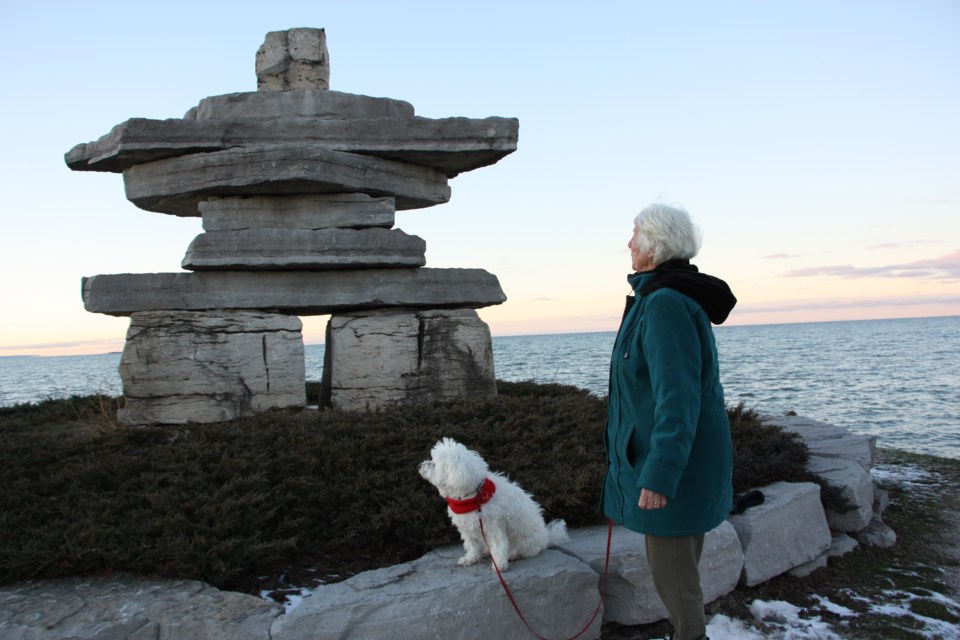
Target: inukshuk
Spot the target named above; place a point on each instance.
(297, 187)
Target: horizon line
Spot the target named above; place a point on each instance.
(80, 344)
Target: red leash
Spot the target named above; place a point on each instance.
(513, 601)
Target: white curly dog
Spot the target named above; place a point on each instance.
(512, 521)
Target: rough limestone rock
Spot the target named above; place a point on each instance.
(434, 598)
(848, 492)
(876, 534)
(183, 366)
(285, 249)
(881, 499)
(829, 441)
(177, 185)
(303, 103)
(448, 145)
(843, 460)
(841, 545)
(629, 595)
(292, 292)
(788, 530)
(376, 359)
(129, 607)
(806, 569)
(293, 59)
(311, 212)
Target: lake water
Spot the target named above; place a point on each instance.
(897, 379)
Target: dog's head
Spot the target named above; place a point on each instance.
(453, 469)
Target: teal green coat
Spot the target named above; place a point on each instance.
(667, 426)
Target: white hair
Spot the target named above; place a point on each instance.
(667, 232)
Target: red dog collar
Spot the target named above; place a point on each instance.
(467, 505)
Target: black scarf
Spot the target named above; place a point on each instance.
(713, 294)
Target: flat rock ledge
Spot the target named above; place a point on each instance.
(126, 606)
(558, 591)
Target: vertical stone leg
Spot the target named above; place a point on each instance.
(377, 358)
(210, 366)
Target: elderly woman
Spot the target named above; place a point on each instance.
(668, 436)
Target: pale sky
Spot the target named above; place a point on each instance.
(816, 144)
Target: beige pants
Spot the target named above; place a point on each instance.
(674, 564)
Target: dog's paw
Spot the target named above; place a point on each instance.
(467, 560)
(500, 565)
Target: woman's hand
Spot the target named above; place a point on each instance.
(652, 499)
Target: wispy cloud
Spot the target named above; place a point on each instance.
(897, 245)
(847, 303)
(946, 266)
(781, 256)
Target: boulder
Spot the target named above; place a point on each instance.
(285, 249)
(293, 59)
(788, 530)
(188, 366)
(841, 545)
(125, 606)
(177, 185)
(847, 492)
(448, 145)
(829, 441)
(434, 598)
(292, 292)
(806, 569)
(376, 359)
(629, 596)
(336, 211)
(876, 534)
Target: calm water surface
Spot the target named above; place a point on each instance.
(897, 379)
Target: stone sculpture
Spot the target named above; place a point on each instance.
(297, 187)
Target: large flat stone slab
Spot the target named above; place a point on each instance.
(291, 292)
(434, 598)
(125, 606)
(447, 145)
(286, 249)
(788, 530)
(334, 211)
(298, 103)
(198, 366)
(177, 185)
(629, 595)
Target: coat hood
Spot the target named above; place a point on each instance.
(711, 293)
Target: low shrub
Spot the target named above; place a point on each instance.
(241, 503)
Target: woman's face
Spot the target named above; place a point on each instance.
(642, 261)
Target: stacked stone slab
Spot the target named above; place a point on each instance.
(297, 187)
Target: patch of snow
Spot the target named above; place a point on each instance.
(836, 609)
(723, 628)
(897, 605)
(905, 475)
(783, 619)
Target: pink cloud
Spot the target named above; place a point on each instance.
(946, 266)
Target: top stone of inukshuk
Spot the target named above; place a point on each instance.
(294, 59)
(297, 186)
